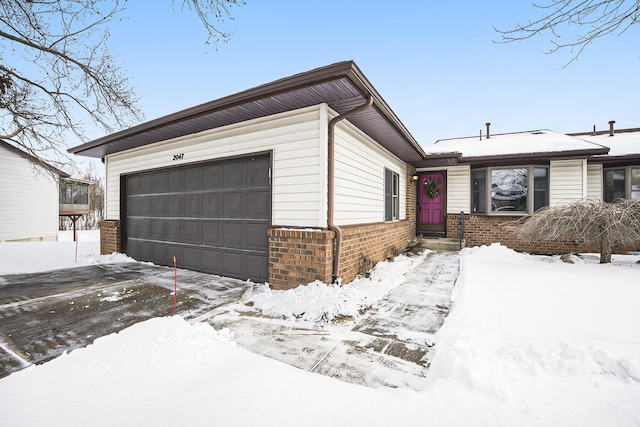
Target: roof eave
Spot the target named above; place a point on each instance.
(455, 158)
(550, 155)
(346, 69)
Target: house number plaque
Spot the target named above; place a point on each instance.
(178, 156)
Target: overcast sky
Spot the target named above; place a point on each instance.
(435, 63)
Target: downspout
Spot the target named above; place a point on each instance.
(331, 184)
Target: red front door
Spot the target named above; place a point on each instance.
(431, 203)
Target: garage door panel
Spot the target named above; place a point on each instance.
(258, 205)
(256, 236)
(258, 172)
(176, 181)
(133, 248)
(159, 229)
(145, 229)
(133, 227)
(133, 185)
(146, 184)
(146, 206)
(233, 205)
(233, 235)
(257, 266)
(233, 264)
(234, 175)
(145, 251)
(193, 179)
(160, 253)
(212, 176)
(211, 260)
(176, 205)
(160, 205)
(211, 234)
(160, 182)
(133, 206)
(211, 205)
(191, 257)
(193, 205)
(212, 217)
(193, 232)
(175, 230)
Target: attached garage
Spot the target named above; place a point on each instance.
(268, 184)
(212, 216)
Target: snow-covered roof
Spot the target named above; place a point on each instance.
(622, 143)
(513, 144)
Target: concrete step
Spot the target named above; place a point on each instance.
(443, 244)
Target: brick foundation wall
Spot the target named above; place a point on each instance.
(298, 257)
(109, 237)
(372, 243)
(485, 229)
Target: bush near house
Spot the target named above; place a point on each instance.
(610, 225)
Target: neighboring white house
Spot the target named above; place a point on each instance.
(29, 197)
(289, 182)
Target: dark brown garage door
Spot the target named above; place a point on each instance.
(212, 217)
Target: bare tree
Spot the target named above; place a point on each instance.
(591, 222)
(596, 18)
(57, 74)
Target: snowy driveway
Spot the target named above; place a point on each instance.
(45, 314)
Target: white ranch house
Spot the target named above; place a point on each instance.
(313, 176)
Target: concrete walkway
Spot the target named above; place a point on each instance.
(389, 346)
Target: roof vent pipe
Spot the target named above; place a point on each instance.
(488, 134)
(594, 130)
(611, 123)
(331, 184)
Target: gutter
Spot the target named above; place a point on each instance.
(331, 185)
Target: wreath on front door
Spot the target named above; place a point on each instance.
(431, 188)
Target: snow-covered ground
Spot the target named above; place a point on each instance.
(30, 257)
(529, 341)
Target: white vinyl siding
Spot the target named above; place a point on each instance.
(360, 165)
(28, 199)
(568, 181)
(594, 181)
(458, 190)
(297, 174)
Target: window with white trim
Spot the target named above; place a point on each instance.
(391, 195)
(509, 190)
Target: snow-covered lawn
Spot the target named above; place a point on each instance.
(31, 257)
(529, 341)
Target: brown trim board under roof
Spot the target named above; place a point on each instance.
(341, 86)
(452, 159)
